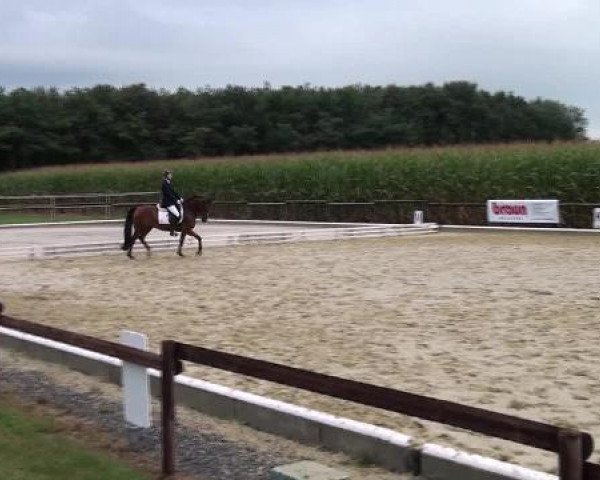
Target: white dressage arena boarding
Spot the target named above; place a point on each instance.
(91, 238)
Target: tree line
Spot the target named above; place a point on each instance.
(45, 126)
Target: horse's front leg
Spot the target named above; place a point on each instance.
(199, 238)
(181, 239)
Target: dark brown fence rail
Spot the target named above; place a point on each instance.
(123, 352)
(90, 206)
(572, 447)
(128, 354)
(572, 215)
(115, 205)
(379, 211)
(495, 424)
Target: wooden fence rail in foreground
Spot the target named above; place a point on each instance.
(507, 427)
(573, 447)
(117, 350)
(123, 352)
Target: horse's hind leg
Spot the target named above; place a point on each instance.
(143, 240)
(133, 240)
(129, 254)
(197, 237)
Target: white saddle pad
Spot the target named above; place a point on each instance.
(163, 217)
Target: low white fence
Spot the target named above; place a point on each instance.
(383, 446)
(314, 234)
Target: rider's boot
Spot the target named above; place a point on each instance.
(173, 221)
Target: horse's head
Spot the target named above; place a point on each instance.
(199, 205)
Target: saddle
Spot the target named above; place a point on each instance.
(164, 215)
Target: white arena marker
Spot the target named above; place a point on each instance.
(136, 383)
(596, 218)
(418, 217)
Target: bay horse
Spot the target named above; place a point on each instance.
(143, 218)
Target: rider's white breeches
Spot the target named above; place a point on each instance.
(174, 210)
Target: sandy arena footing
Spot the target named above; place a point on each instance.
(501, 321)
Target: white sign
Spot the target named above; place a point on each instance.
(596, 218)
(523, 211)
(136, 384)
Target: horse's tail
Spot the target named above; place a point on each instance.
(128, 237)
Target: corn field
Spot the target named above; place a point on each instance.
(569, 172)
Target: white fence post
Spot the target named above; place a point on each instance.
(418, 217)
(136, 384)
(596, 218)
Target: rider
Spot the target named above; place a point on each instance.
(171, 200)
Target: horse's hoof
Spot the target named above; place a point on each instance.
(180, 254)
(199, 254)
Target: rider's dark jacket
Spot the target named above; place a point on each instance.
(169, 195)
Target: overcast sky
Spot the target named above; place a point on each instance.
(545, 48)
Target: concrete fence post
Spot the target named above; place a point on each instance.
(136, 384)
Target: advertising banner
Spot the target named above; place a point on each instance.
(522, 211)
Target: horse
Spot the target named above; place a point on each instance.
(144, 218)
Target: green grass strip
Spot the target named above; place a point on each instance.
(31, 449)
